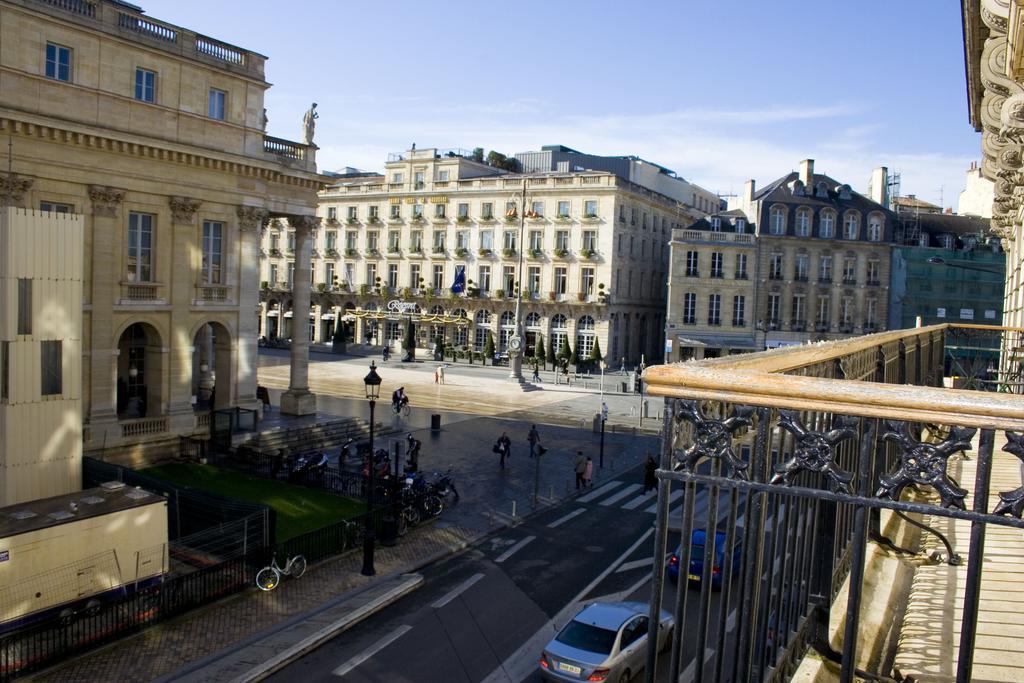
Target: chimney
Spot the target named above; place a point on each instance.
(748, 191)
(878, 187)
(807, 172)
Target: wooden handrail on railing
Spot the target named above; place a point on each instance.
(766, 379)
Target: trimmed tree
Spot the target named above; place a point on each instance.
(538, 353)
(488, 348)
(563, 355)
(574, 356)
(439, 347)
(595, 356)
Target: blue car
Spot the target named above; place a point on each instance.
(696, 573)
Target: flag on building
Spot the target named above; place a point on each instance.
(459, 286)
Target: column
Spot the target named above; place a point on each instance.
(298, 400)
(251, 222)
(105, 290)
(181, 291)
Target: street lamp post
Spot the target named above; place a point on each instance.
(372, 382)
(515, 343)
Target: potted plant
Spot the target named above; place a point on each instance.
(488, 348)
(460, 251)
(331, 252)
(536, 253)
(351, 252)
(561, 253)
(602, 296)
(563, 216)
(407, 293)
(264, 285)
(586, 253)
(508, 252)
(393, 249)
(274, 251)
(438, 248)
(321, 287)
(485, 252)
(374, 219)
(552, 296)
(364, 290)
(351, 220)
(410, 342)
(590, 216)
(499, 294)
(581, 296)
(461, 220)
(511, 219)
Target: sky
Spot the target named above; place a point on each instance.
(717, 90)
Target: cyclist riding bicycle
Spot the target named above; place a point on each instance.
(398, 399)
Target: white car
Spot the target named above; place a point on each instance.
(606, 641)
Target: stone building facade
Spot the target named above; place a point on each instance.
(593, 254)
(155, 135)
(817, 259)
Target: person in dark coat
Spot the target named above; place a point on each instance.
(650, 481)
(502, 447)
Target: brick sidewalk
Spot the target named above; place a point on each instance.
(166, 648)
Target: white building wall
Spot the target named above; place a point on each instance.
(40, 436)
(977, 195)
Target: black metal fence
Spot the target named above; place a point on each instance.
(786, 490)
(275, 465)
(104, 620)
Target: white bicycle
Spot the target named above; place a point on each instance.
(268, 577)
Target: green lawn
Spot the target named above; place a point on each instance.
(299, 509)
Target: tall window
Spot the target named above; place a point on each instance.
(508, 279)
(372, 241)
(462, 212)
(213, 233)
(58, 62)
(561, 279)
(590, 240)
(590, 208)
(273, 274)
(329, 274)
(52, 379)
(690, 308)
(822, 317)
(587, 281)
(847, 311)
(739, 309)
(874, 228)
(439, 236)
(741, 226)
(371, 274)
(562, 239)
(716, 224)
(716, 264)
(440, 210)
(487, 211)
(509, 240)
(873, 272)
(803, 222)
(462, 239)
(536, 240)
(775, 267)
(414, 275)
(438, 276)
(393, 237)
(533, 279)
(774, 309)
(140, 247)
(850, 270)
(442, 176)
(536, 210)
(417, 211)
(395, 211)
(715, 309)
(416, 241)
(563, 209)
(851, 225)
(800, 268)
(777, 221)
(417, 180)
(24, 306)
(872, 313)
(825, 269)
(484, 273)
(392, 275)
(486, 239)
(692, 264)
(741, 266)
(827, 224)
(799, 309)
(217, 104)
(145, 85)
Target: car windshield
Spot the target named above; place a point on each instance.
(586, 637)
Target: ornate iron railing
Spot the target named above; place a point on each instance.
(790, 457)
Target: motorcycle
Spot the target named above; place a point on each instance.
(308, 465)
(444, 485)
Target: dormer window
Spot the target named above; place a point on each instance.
(851, 225)
(798, 188)
(741, 226)
(716, 224)
(777, 221)
(874, 228)
(946, 241)
(821, 189)
(803, 222)
(844, 191)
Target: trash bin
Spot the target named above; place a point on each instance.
(435, 422)
(388, 530)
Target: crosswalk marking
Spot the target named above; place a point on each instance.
(518, 546)
(635, 564)
(597, 493)
(563, 520)
(372, 650)
(612, 500)
(672, 497)
(639, 500)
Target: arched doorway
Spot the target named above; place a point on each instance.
(140, 372)
(212, 382)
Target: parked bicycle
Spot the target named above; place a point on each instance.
(269, 577)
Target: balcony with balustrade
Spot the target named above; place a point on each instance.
(837, 478)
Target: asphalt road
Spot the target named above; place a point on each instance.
(486, 614)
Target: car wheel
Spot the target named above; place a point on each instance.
(626, 676)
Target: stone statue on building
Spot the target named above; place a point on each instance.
(309, 125)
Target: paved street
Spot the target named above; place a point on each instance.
(486, 614)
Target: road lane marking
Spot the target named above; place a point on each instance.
(518, 546)
(639, 500)
(457, 591)
(372, 650)
(672, 497)
(635, 564)
(562, 520)
(709, 653)
(597, 493)
(523, 662)
(629, 490)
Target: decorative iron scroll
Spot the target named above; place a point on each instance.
(713, 438)
(815, 451)
(1012, 501)
(925, 463)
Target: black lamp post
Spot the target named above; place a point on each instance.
(372, 382)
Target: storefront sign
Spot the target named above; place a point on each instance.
(398, 306)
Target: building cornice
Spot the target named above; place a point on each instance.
(166, 152)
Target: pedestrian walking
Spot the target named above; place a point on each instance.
(536, 373)
(580, 468)
(534, 439)
(503, 448)
(437, 376)
(440, 372)
(588, 473)
(622, 366)
(565, 373)
(650, 481)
